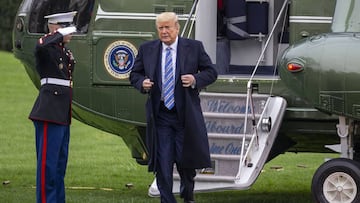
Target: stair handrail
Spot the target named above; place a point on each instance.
(249, 97)
(192, 12)
(268, 39)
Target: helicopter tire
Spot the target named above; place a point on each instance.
(337, 180)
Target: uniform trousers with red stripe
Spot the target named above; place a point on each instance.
(52, 145)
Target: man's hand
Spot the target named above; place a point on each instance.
(67, 30)
(147, 84)
(188, 80)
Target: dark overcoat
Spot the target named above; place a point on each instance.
(191, 59)
(53, 60)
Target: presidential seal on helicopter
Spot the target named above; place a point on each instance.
(119, 58)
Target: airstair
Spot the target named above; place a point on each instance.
(241, 132)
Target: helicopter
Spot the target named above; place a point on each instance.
(268, 98)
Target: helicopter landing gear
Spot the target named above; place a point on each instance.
(338, 180)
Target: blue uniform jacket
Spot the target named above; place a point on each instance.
(53, 60)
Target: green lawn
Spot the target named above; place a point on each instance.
(100, 165)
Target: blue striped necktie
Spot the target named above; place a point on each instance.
(169, 83)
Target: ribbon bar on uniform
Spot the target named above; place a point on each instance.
(56, 81)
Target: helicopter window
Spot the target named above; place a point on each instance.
(25, 6)
(41, 8)
(180, 10)
(159, 8)
(85, 9)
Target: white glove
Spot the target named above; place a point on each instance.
(67, 30)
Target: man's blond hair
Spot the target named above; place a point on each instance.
(168, 16)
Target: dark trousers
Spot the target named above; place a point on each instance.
(52, 144)
(170, 132)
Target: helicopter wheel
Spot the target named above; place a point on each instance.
(337, 181)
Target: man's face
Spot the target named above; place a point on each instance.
(167, 31)
(67, 38)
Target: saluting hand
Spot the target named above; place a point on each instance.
(67, 30)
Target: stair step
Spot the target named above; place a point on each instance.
(205, 95)
(228, 125)
(227, 157)
(229, 136)
(209, 178)
(222, 167)
(227, 147)
(226, 165)
(228, 115)
(230, 102)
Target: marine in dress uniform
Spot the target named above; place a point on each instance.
(51, 113)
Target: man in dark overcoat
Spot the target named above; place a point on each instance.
(176, 131)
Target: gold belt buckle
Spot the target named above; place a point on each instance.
(71, 83)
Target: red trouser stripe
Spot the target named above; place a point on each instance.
(43, 163)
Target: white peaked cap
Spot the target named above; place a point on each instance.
(61, 17)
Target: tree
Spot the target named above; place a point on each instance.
(8, 9)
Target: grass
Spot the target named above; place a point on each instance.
(100, 165)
